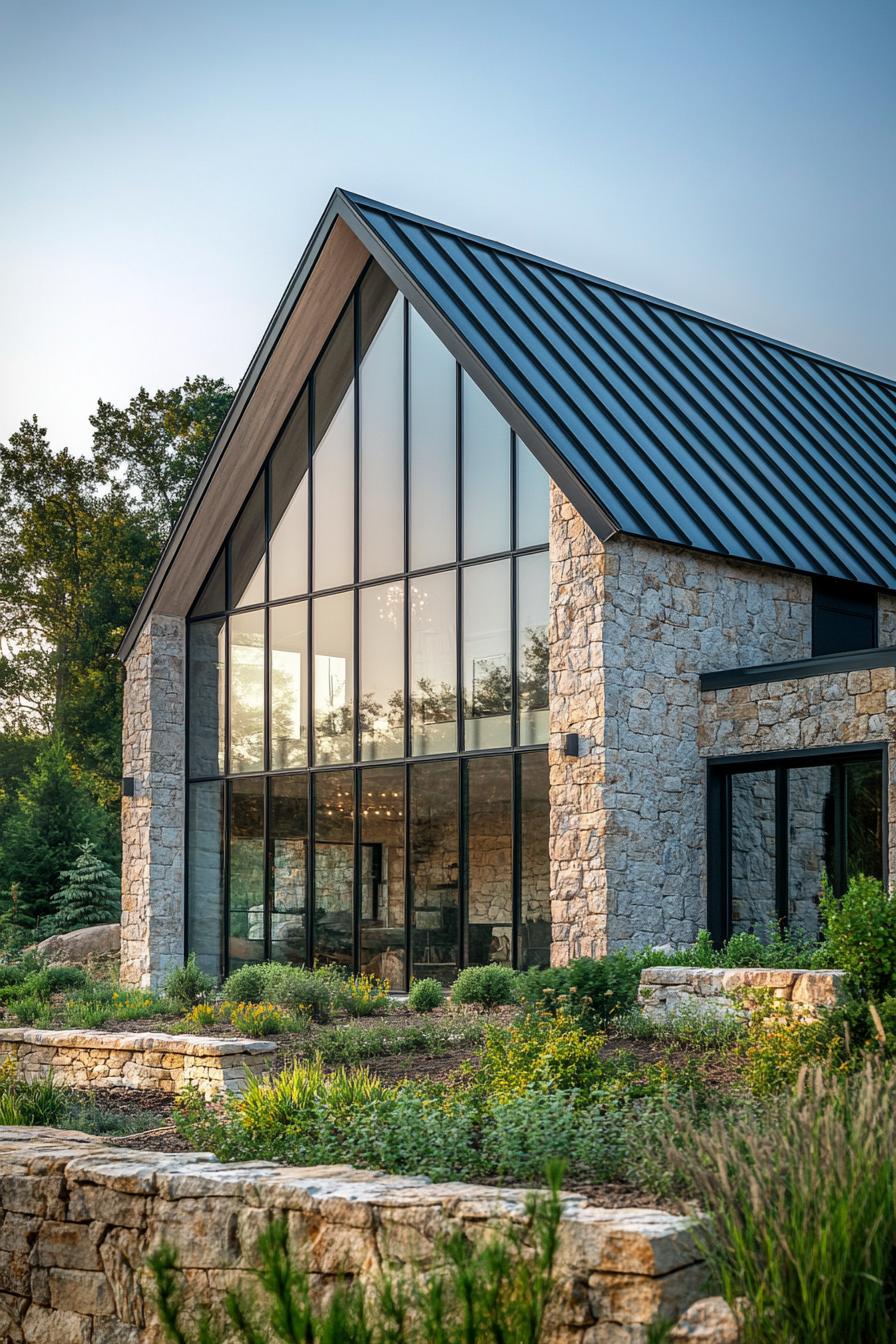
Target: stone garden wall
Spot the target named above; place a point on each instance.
(667, 991)
(79, 1218)
(160, 1061)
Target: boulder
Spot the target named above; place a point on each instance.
(711, 1321)
(81, 945)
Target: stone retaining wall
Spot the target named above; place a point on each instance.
(665, 991)
(109, 1059)
(80, 1216)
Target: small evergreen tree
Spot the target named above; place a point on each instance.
(54, 812)
(90, 894)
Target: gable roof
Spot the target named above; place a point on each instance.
(658, 422)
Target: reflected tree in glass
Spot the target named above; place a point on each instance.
(333, 676)
(433, 658)
(247, 691)
(289, 671)
(533, 577)
(486, 655)
(381, 710)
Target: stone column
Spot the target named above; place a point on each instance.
(152, 821)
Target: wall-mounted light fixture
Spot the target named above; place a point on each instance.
(571, 744)
(127, 786)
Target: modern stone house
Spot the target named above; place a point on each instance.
(514, 615)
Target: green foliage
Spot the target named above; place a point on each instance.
(495, 1290)
(488, 986)
(860, 936)
(40, 1102)
(783, 948)
(363, 996)
(595, 990)
(802, 1209)
(351, 1044)
(294, 988)
(690, 1028)
(425, 995)
(260, 1019)
(186, 985)
(54, 815)
(90, 894)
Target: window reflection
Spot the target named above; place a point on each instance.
(433, 447)
(533, 498)
(334, 460)
(246, 942)
(333, 677)
(213, 597)
(289, 871)
(288, 548)
(535, 868)
(289, 685)
(247, 552)
(382, 874)
(247, 691)
(486, 475)
(434, 836)
(488, 827)
(207, 697)
(205, 874)
(433, 663)
(486, 654)
(381, 427)
(381, 709)
(334, 866)
(532, 596)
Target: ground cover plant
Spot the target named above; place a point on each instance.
(496, 1291)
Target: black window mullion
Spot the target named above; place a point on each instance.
(267, 873)
(225, 923)
(408, 910)
(309, 890)
(516, 850)
(462, 865)
(458, 615)
(782, 845)
(356, 863)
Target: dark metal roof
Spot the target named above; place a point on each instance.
(681, 428)
(656, 421)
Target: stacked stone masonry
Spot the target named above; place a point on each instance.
(80, 1217)
(152, 820)
(665, 992)
(162, 1062)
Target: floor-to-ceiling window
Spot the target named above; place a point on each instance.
(368, 683)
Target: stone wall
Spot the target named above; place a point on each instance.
(158, 1061)
(80, 1217)
(152, 821)
(664, 992)
(632, 626)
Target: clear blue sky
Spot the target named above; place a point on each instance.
(163, 165)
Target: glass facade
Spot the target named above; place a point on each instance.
(368, 677)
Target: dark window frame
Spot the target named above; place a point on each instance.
(719, 772)
(833, 599)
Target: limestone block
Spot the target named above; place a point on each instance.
(819, 987)
(709, 1321)
(81, 1291)
(47, 1325)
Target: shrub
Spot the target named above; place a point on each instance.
(860, 936)
(201, 1015)
(363, 996)
(802, 1209)
(309, 993)
(595, 990)
(186, 985)
(294, 988)
(541, 1053)
(246, 985)
(425, 995)
(62, 978)
(258, 1019)
(39, 1102)
(350, 1044)
(29, 1010)
(488, 986)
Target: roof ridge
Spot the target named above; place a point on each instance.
(366, 202)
